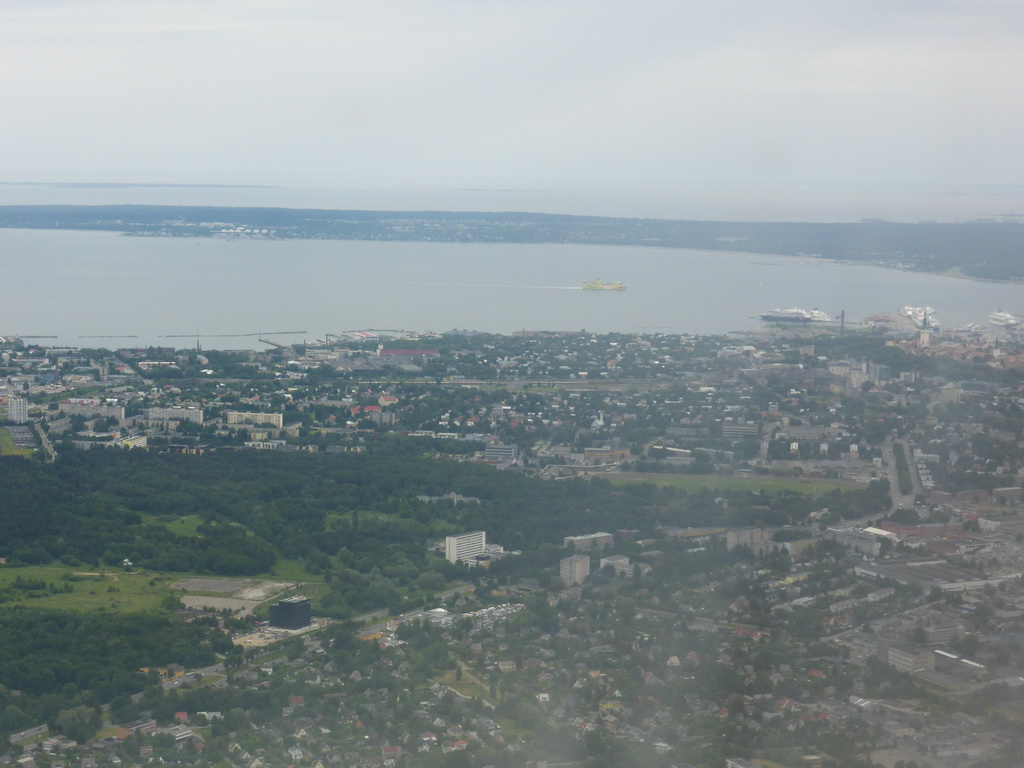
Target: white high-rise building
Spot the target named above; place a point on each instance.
(17, 410)
(465, 546)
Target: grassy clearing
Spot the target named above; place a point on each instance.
(813, 486)
(104, 589)
(291, 570)
(7, 445)
(181, 526)
(118, 591)
(465, 686)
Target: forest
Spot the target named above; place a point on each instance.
(353, 520)
(54, 662)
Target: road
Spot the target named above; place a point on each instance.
(28, 734)
(899, 500)
(51, 454)
(915, 477)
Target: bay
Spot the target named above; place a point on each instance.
(100, 289)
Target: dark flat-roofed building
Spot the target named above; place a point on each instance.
(291, 613)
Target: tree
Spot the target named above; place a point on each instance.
(79, 723)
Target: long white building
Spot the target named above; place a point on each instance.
(191, 413)
(249, 417)
(465, 546)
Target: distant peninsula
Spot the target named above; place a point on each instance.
(983, 249)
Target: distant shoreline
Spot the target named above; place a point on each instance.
(974, 250)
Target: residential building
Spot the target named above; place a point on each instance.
(619, 563)
(17, 410)
(856, 539)
(465, 546)
(752, 538)
(757, 540)
(739, 429)
(574, 569)
(251, 417)
(503, 454)
(588, 541)
(91, 409)
(191, 413)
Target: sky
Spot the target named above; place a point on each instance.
(558, 102)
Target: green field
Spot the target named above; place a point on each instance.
(187, 525)
(7, 445)
(114, 589)
(815, 486)
(92, 590)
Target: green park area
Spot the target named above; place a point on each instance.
(83, 589)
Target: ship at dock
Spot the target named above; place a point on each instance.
(922, 317)
(601, 285)
(795, 315)
(1004, 319)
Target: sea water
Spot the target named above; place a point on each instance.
(100, 289)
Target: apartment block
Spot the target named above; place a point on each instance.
(574, 569)
(465, 546)
(17, 410)
(252, 417)
(192, 414)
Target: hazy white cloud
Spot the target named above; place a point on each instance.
(379, 93)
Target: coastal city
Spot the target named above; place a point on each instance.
(511, 385)
(824, 566)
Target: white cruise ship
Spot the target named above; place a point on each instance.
(1005, 319)
(923, 317)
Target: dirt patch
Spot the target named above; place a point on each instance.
(228, 586)
(262, 590)
(199, 602)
